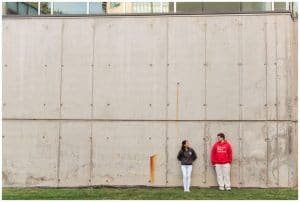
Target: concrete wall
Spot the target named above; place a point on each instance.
(87, 101)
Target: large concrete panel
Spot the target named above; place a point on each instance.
(294, 69)
(222, 69)
(74, 162)
(293, 152)
(31, 68)
(122, 150)
(281, 169)
(272, 180)
(254, 155)
(231, 131)
(283, 68)
(253, 68)
(279, 73)
(130, 68)
(271, 67)
(29, 153)
(186, 75)
(194, 133)
(77, 59)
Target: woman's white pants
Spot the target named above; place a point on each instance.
(186, 173)
(223, 175)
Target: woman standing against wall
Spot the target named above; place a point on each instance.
(187, 156)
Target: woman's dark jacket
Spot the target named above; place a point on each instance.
(187, 157)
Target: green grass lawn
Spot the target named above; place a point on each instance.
(147, 193)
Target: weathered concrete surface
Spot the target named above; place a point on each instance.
(254, 154)
(122, 150)
(130, 68)
(222, 83)
(186, 68)
(30, 153)
(76, 81)
(31, 48)
(87, 101)
(74, 153)
(253, 67)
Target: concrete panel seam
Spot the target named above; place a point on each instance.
(288, 69)
(266, 108)
(205, 71)
(276, 81)
(92, 104)
(60, 106)
(240, 58)
(167, 98)
(205, 106)
(154, 120)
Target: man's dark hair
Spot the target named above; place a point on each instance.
(221, 135)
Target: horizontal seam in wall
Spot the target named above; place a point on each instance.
(154, 120)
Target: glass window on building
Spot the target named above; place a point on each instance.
(33, 8)
(102, 8)
(97, 8)
(189, 7)
(149, 7)
(142, 7)
(165, 7)
(156, 7)
(221, 7)
(60, 8)
(171, 7)
(256, 6)
(279, 6)
(294, 9)
(11, 8)
(115, 7)
(45, 8)
(20, 8)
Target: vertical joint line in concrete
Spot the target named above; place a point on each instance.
(205, 106)
(177, 109)
(205, 72)
(287, 69)
(266, 101)
(60, 102)
(61, 72)
(177, 101)
(241, 134)
(167, 95)
(266, 67)
(290, 89)
(240, 69)
(240, 62)
(92, 104)
(276, 81)
(205, 152)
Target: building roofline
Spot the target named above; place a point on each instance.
(146, 14)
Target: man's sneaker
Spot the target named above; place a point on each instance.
(221, 188)
(228, 189)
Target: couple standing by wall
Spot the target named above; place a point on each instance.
(221, 158)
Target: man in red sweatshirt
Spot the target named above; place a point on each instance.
(221, 158)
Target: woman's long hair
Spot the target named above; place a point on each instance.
(182, 145)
